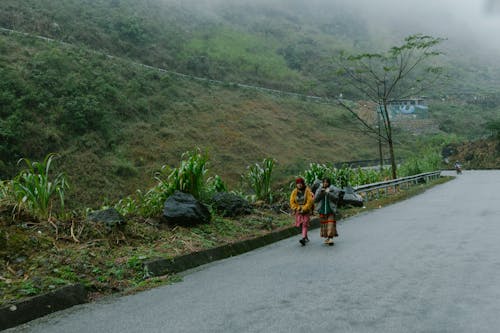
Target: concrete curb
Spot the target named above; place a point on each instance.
(39, 306)
(158, 267)
(32, 308)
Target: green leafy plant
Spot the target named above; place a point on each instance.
(258, 178)
(216, 184)
(189, 177)
(35, 190)
(344, 176)
(494, 127)
(429, 161)
(317, 171)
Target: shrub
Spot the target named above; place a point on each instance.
(345, 176)
(34, 189)
(258, 178)
(428, 162)
(189, 177)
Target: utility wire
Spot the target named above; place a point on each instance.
(317, 99)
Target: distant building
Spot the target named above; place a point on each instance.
(408, 108)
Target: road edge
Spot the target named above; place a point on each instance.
(17, 313)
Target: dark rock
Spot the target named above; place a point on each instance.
(184, 210)
(109, 217)
(351, 198)
(229, 204)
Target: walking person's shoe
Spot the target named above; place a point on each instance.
(302, 241)
(306, 239)
(327, 241)
(330, 241)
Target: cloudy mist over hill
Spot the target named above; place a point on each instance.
(474, 24)
(459, 21)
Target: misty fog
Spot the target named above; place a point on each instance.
(473, 24)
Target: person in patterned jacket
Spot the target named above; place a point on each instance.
(326, 198)
(302, 205)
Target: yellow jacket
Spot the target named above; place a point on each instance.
(307, 207)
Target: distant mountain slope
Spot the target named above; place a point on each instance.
(280, 44)
(284, 47)
(115, 123)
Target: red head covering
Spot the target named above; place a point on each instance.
(300, 180)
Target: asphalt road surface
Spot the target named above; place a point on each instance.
(427, 264)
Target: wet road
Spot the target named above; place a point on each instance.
(428, 264)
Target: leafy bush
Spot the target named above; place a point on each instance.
(317, 171)
(34, 190)
(494, 127)
(430, 161)
(258, 178)
(216, 184)
(342, 177)
(189, 177)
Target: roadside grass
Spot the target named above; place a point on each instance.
(39, 257)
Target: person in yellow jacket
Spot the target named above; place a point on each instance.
(302, 205)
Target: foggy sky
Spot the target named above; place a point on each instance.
(458, 20)
(474, 24)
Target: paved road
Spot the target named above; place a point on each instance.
(428, 264)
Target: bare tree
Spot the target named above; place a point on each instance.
(401, 72)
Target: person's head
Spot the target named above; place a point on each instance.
(326, 182)
(300, 183)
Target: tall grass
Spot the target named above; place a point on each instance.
(258, 178)
(189, 177)
(342, 177)
(428, 162)
(35, 190)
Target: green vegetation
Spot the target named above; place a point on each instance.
(399, 73)
(426, 162)
(122, 129)
(258, 178)
(494, 127)
(34, 189)
(39, 257)
(190, 177)
(344, 176)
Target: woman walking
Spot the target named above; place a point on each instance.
(302, 205)
(327, 196)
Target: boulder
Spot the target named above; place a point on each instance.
(183, 209)
(230, 205)
(109, 217)
(351, 198)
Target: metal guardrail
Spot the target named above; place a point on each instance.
(376, 188)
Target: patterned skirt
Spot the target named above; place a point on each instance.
(328, 226)
(302, 218)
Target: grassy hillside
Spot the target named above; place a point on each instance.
(114, 123)
(281, 46)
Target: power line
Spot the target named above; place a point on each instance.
(317, 99)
